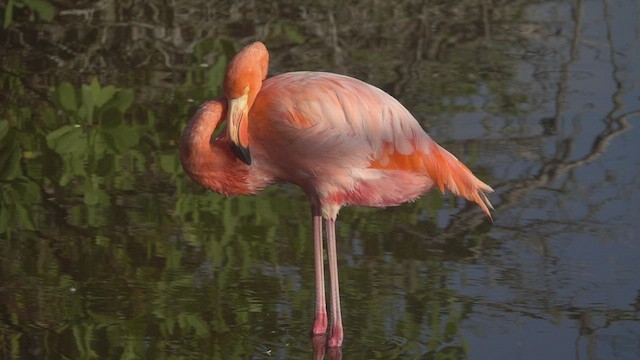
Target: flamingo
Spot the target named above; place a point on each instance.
(343, 141)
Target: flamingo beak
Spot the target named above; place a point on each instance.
(237, 126)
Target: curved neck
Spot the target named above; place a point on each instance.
(210, 162)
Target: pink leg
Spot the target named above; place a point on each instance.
(320, 324)
(336, 316)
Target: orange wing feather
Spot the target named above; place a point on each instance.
(446, 171)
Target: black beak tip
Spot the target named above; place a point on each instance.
(241, 153)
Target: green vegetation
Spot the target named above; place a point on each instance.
(41, 7)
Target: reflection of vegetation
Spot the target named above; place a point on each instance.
(93, 144)
(41, 7)
(17, 192)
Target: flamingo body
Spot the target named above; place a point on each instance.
(346, 142)
(343, 141)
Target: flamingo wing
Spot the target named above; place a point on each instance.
(348, 133)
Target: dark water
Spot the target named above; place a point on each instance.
(109, 251)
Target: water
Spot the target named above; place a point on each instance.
(109, 251)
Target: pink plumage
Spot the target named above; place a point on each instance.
(343, 141)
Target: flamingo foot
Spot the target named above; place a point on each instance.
(320, 324)
(336, 337)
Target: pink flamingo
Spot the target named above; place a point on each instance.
(343, 141)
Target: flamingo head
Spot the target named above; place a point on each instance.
(242, 82)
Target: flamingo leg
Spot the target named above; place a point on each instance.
(320, 323)
(336, 317)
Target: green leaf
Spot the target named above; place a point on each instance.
(227, 48)
(123, 137)
(105, 166)
(26, 216)
(67, 139)
(91, 192)
(8, 14)
(216, 73)
(88, 102)
(10, 161)
(67, 96)
(100, 145)
(104, 95)
(122, 100)
(95, 87)
(74, 165)
(169, 162)
(111, 118)
(4, 220)
(49, 118)
(29, 192)
(4, 128)
(55, 135)
(44, 9)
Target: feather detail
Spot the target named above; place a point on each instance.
(447, 172)
(444, 169)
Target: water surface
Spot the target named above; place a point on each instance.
(110, 251)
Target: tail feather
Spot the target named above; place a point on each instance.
(448, 172)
